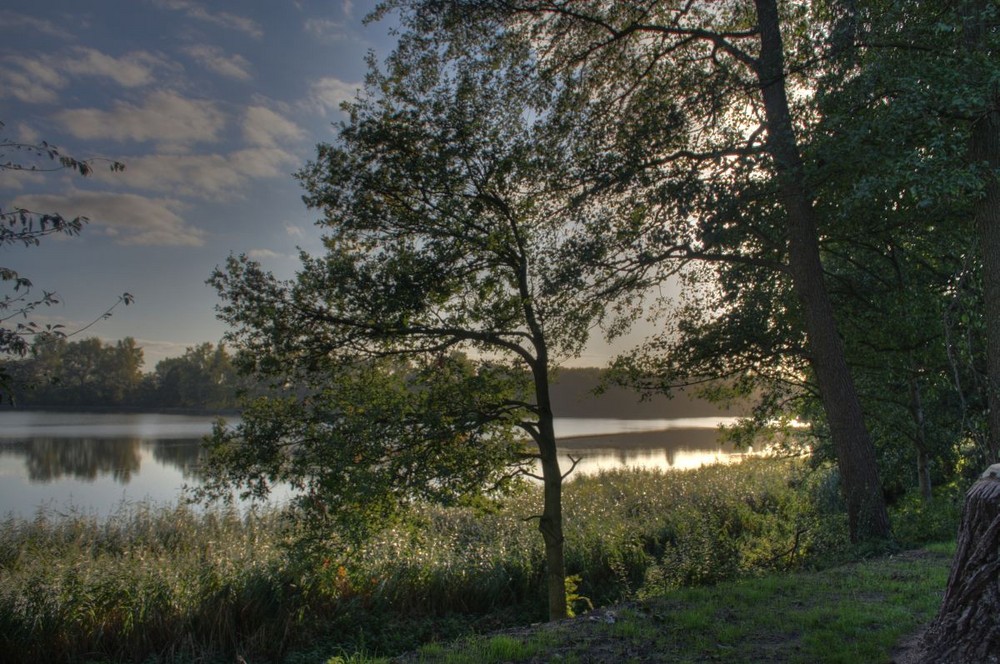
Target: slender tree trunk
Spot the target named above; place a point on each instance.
(550, 523)
(867, 514)
(920, 438)
(967, 627)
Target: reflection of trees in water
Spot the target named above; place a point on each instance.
(183, 453)
(641, 448)
(50, 459)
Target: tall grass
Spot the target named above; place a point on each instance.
(175, 584)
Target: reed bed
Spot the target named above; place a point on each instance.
(166, 584)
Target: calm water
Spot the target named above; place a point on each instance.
(94, 462)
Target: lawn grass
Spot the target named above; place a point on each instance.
(853, 613)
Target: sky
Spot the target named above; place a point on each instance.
(212, 105)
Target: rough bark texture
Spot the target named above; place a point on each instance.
(985, 148)
(967, 627)
(867, 514)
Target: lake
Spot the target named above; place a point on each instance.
(95, 462)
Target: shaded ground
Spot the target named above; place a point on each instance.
(868, 612)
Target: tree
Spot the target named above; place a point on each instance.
(719, 74)
(59, 372)
(978, 20)
(444, 235)
(965, 629)
(27, 228)
(204, 377)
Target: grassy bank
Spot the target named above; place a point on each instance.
(176, 584)
(848, 614)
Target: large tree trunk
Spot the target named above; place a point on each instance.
(985, 148)
(967, 628)
(867, 514)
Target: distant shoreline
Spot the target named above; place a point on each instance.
(206, 412)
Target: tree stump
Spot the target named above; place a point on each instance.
(967, 627)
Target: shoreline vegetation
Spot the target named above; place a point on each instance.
(172, 584)
(573, 393)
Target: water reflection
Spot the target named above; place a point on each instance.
(48, 459)
(678, 448)
(181, 453)
(51, 459)
(95, 461)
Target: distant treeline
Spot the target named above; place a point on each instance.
(60, 373)
(90, 374)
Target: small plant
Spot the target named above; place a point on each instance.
(573, 597)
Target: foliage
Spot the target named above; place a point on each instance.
(203, 377)
(707, 170)
(89, 373)
(362, 448)
(19, 226)
(446, 230)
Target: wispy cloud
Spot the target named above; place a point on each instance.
(328, 93)
(324, 28)
(154, 351)
(204, 176)
(222, 19)
(32, 81)
(214, 59)
(264, 253)
(165, 117)
(130, 70)
(16, 21)
(263, 127)
(38, 80)
(128, 218)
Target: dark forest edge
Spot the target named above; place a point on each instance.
(94, 376)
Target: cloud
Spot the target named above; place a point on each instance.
(129, 71)
(130, 219)
(293, 230)
(33, 81)
(263, 127)
(27, 134)
(38, 80)
(212, 58)
(164, 117)
(205, 176)
(15, 21)
(328, 93)
(222, 19)
(325, 28)
(154, 351)
(264, 253)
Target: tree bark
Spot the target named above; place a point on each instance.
(867, 515)
(550, 522)
(985, 149)
(920, 440)
(967, 627)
